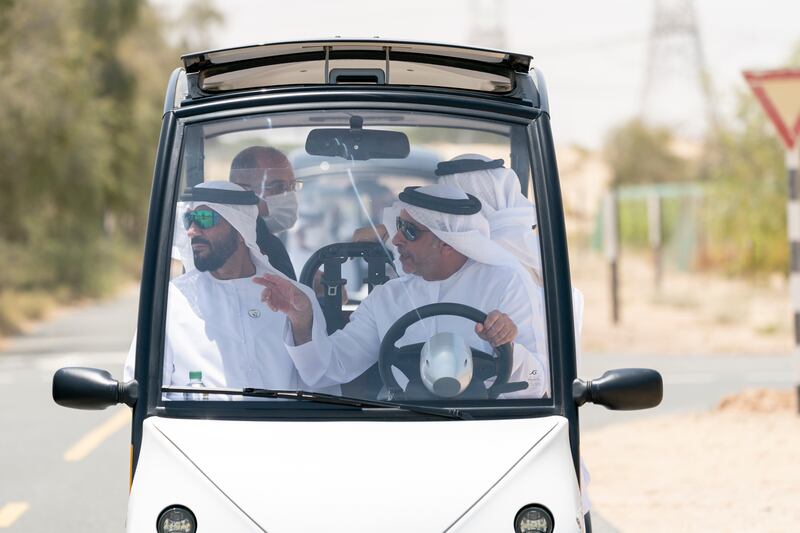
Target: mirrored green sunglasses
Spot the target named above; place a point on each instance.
(204, 218)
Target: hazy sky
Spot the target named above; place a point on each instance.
(593, 54)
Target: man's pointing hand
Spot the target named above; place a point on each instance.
(283, 296)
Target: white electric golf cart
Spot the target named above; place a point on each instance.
(359, 121)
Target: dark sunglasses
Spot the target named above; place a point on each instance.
(409, 230)
(204, 218)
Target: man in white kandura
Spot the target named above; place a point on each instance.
(512, 222)
(512, 219)
(443, 241)
(216, 322)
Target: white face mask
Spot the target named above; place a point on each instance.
(283, 210)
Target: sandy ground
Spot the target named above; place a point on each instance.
(734, 468)
(688, 314)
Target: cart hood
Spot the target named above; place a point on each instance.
(348, 476)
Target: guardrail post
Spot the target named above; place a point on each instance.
(611, 245)
(654, 234)
(793, 230)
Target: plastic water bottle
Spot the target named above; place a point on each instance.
(196, 382)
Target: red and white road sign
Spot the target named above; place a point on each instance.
(778, 92)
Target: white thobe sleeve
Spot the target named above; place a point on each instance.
(129, 370)
(342, 356)
(528, 367)
(169, 366)
(530, 359)
(577, 313)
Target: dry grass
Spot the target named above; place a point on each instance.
(17, 308)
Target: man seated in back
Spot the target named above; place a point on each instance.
(268, 173)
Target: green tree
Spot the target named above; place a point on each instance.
(747, 207)
(638, 153)
(747, 201)
(82, 96)
(82, 93)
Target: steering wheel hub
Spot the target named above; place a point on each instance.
(445, 365)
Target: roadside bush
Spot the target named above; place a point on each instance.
(82, 96)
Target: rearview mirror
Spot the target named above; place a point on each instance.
(91, 388)
(357, 143)
(622, 389)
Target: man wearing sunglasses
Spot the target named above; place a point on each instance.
(216, 323)
(443, 243)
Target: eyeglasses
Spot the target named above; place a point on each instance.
(280, 187)
(204, 218)
(410, 231)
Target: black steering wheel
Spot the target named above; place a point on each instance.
(484, 365)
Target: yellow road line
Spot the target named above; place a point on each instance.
(95, 438)
(10, 512)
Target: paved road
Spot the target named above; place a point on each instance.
(67, 470)
(691, 383)
(57, 471)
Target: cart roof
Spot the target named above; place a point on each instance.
(347, 61)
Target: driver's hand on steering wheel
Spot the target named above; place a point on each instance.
(497, 329)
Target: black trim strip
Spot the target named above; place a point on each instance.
(412, 196)
(219, 196)
(458, 166)
(153, 287)
(557, 284)
(258, 411)
(355, 98)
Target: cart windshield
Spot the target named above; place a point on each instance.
(310, 247)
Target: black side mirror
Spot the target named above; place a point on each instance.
(91, 388)
(622, 389)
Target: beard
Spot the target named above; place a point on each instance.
(217, 254)
(408, 261)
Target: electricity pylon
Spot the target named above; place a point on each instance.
(677, 90)
(486, 24)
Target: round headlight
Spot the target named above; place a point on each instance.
(533, 519)
(176, 519)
